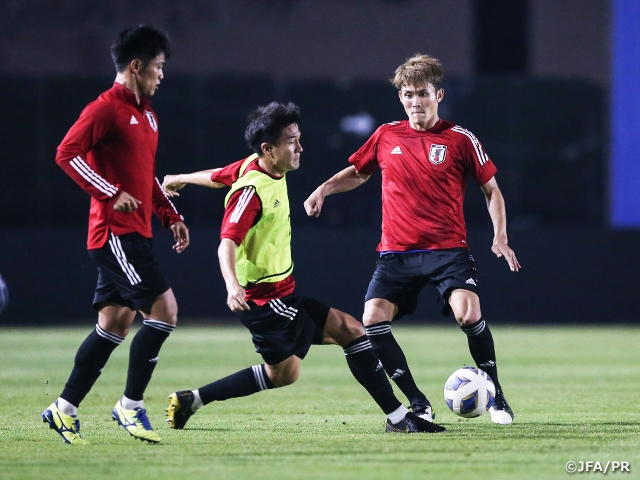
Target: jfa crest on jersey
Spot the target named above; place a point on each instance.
(437, 154)
(152, 120)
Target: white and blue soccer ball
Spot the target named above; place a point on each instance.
(4, 294)
(469, 392)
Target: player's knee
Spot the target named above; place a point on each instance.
(343, 328)
(469, 318)
(284, 377)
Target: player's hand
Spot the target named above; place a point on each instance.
(126, 203)
(501, 249)
(180, 235)
(236, 298)
(171, 185)
(313, 204)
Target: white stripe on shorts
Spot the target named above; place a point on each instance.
(281, 309)
(127, 268)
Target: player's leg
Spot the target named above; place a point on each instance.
(465, 305)
(135, 280)
(272, 326)
(184, 403)
(159, 321)
(378, 313)
(366, 368)
(92, 355)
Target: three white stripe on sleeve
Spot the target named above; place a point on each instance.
(482, 157)
(243, 201)
(80, 166)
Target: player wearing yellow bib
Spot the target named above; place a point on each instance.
(255, 260)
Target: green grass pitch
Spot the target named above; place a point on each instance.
(574, 392)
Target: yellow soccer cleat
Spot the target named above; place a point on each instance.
(179, 409)
(68, 426)
(135, 422)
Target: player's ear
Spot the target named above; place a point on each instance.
(266, 148)
(440, 95)
(135, 65)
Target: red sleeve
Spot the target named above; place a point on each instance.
(229, 174)
(242, 212)
(365, 159)
(163, 207)
(94, 124)
(477, 160)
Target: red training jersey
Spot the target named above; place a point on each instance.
(424, 176)
(242, 212)
(111, 148)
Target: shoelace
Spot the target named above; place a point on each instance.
(142, 416)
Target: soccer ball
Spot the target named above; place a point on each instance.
(4, 294)
(469, 392)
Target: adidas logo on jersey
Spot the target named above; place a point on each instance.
(471, 281)
(396, 151)
(276, 203)
(133, 121)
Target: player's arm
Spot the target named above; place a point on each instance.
(238, 218)
(343, 181)
(166, 211)
(94, 123)
(173, 183)
(227, 259)
(497, 212)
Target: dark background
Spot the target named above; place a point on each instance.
(543, 121)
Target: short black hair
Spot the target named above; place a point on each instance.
(267, 123)
(144, 42)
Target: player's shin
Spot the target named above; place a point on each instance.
(240, 384)
(143, 356)
(90, 359)
(482, 349)
(395, 364)
(368, 371)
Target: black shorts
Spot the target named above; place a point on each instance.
(399, 277)
(128, 272)
(285, 326)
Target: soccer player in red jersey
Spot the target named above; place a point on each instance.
(110, 153)
(425, 162)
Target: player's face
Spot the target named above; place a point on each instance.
(421, 104)
(285, 156)
(148, 76)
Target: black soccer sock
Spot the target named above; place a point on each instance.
(143, 356)
(240, 384)
(90, 359)
(393, 360)
(482, 349)
(368, 371)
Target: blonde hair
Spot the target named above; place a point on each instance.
(417, 71)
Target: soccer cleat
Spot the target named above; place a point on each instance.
(424, 410)
(412, 423)
(135, 422)
(500, 411)
(68, 426)
(179, 409)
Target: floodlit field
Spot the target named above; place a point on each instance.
(574, 391)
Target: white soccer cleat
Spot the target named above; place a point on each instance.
(500, 411)
(500, 416)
